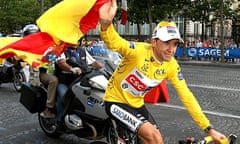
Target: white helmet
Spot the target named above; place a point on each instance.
(30, 29)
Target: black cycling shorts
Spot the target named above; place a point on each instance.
(130, 117)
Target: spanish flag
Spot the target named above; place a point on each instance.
(62, 25)
(5, 41)
(34, 49)
(69, 20)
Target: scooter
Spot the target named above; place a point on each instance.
(9, 73)
(84, 111)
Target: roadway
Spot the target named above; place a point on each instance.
(215, 87)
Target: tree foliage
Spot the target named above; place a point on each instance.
(15, 14)
(159, 9)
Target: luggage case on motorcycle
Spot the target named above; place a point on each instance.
(33, 98)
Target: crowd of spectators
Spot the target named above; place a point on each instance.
(213, 43)
(196, 43)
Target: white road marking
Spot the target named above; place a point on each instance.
(2, 129)
(205, 111)
(213, 87)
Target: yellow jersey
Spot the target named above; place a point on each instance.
(139, 72)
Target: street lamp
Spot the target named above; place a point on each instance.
(222, 31)
(185, 9)
(211, 16)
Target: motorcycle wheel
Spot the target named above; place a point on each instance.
(127, 136)
(49, 126)
(18, 79)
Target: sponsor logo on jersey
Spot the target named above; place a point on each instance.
(132, 45)
(159, 73)
(137, 83)
(145, 67)
(180, 76)
(127, 118)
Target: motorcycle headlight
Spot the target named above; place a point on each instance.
(99, 82)
(115, 57)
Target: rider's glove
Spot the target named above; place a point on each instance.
(75, 70)
(34, 77)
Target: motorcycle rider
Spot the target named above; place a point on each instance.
(73, 62)
(143, 67)
(46, 76)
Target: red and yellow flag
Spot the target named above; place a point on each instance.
(34, 49)
(69, 20)
(5, 41)
(63, 24)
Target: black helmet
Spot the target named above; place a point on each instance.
(30, 29)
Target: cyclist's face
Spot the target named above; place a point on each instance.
(164, 50)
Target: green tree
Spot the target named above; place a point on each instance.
(151, 11)
(200, 11)
(15, 14)
(46, 4)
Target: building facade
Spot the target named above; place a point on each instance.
(194, 30)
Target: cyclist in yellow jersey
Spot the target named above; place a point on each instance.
(143, 67)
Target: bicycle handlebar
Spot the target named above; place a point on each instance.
(229, 140)
(209, 139)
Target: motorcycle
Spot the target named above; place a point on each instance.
(10, 73)
(84, 111)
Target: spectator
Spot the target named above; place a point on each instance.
(69, 66)
(44, 75)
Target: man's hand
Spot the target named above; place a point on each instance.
(76, 70)
(217, 136)
(23, 64)
(34, 77)
(107, 13)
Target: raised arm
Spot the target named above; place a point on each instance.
(107, 13)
